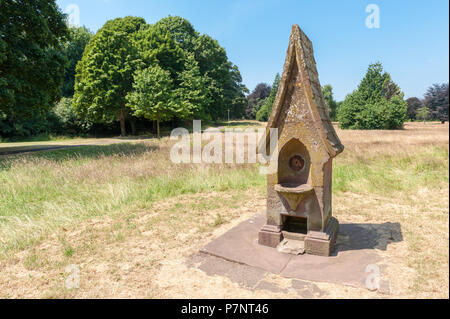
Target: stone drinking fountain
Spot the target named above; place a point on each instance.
(299, 214)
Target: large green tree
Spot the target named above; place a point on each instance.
(192, 94)
(234, 94)
(156, 46)
(153, 96)
(423, 113)
(205, 83)
(414, 104)
(74, 48)
(32, 63)
(377, 103)
(222, 80)
(181, 30)
(436, 99)
(104, 76)
(213, 63)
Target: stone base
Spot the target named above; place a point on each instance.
(355, 249)
(315, 243)
(322, 243)
(270, 236)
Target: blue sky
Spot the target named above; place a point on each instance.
(411, 42)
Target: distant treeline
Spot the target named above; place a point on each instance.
(377, 103)
(433, 106)
(130, 74)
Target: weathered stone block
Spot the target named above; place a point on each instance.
(322, 243)
(270, 235)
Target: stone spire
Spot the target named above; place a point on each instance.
(300, 73)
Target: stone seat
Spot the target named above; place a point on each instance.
(294, 193)
(293, 188)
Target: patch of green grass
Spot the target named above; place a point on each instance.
(198, 182)
(218, 221)
(34, 260)
(206, 205)
(68, 251)
(42, 192)
(81, 153)
(120, 237)
(384, 174)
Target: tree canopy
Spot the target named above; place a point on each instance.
(224, 81)
(181, 30)
(377, 103)
(436, 99)
(104, 76)
(191, 94)
(74, 48)
(203, 82)
(32, 62)
(152, 97)
(263, 113)
(256, 98)
(422, 113)
(414, 104)
(327, 92)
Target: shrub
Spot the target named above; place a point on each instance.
(263, 113)
(64, 120)
(379, 115)
(377, 104)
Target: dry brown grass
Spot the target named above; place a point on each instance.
(414, 137)
(129, 243)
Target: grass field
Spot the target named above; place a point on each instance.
(129, 218)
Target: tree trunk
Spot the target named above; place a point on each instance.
(123, 130)
(133, 125)
(157, 127)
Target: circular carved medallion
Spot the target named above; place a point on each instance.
(297, 163)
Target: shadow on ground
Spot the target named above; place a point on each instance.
(367, 236)
(13, 150)
(67, 152)
(237, 124)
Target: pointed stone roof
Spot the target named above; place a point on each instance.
(300, 56)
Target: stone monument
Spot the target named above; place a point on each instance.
(299, 214)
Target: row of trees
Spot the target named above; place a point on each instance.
(159, 72)
(68, 81)
(377, 103)
(434, 105)
(61, 79)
